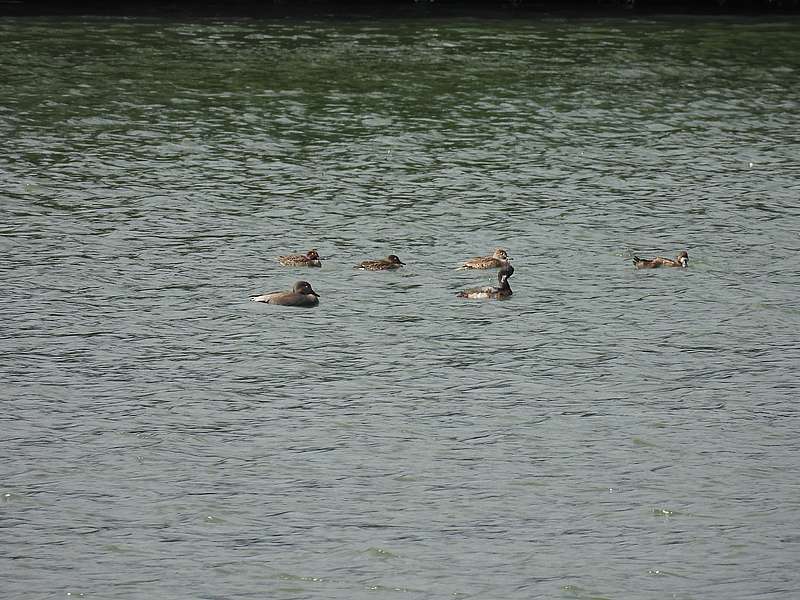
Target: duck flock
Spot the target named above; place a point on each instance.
(303, 295)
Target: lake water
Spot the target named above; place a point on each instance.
(605, 433)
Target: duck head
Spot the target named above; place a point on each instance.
(392, 258)
(504, 273)
(303, 287)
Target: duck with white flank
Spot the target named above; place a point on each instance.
(492, 293)
(302, 295)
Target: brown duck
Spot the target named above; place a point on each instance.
(384, 264)
(682, 260)
(309, 259)
(495, 261)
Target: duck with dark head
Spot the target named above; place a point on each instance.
(501, 292)
(682, 260)
(302, 295)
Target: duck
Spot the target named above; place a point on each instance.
(494, 293)
(497, 260)
(309, 259)
(302, 294)
(682, 260)
(383, 264)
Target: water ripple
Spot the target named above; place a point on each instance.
(604, 430)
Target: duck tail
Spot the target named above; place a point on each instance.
(636, 259)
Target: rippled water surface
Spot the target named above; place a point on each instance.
(605, 433)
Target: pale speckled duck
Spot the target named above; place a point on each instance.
(309, 259)
(302, 294)
(682, 260)
(383, 264)
(492, 293)
(496, 261)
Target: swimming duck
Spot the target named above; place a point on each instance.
(309, 259)
(384, 264)
(494, 293)
(495, 261)
(301, 295)
(682, 260)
